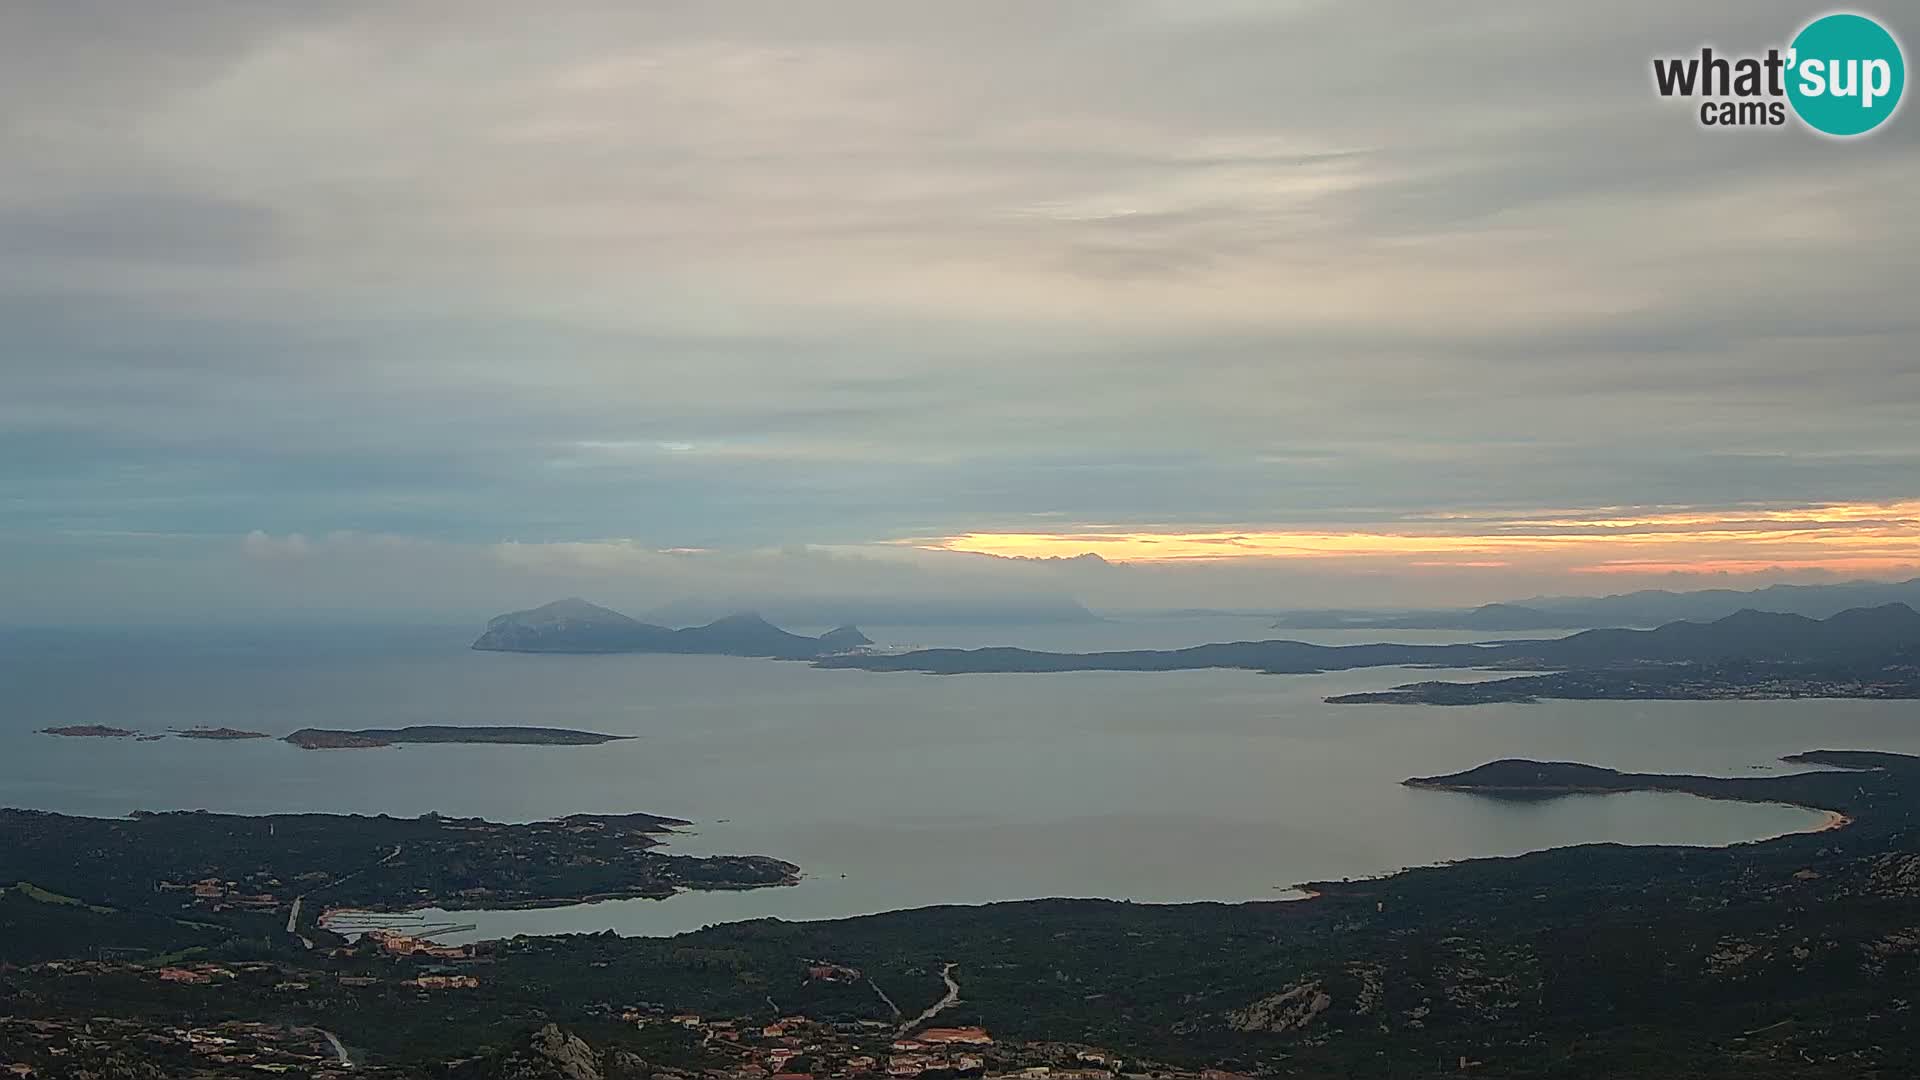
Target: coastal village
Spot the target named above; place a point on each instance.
(788, 1047)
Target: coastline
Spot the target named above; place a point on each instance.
(1834, 820)
(1291, 897)
(1831, 819)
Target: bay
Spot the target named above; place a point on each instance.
(891, 790)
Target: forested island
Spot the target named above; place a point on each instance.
(337, 739)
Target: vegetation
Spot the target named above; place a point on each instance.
(1862, 636)
(1896, 677)
(179, 876)
(1790, 957)
(335, 739)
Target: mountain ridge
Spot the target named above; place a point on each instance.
(573, 625)
(1860, 633)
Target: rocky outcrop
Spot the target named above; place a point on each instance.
(1895, 874)
(553, 1054)
(1291, 1009)
(844, 639)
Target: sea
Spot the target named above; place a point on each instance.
(890, 790)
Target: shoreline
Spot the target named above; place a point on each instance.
(1831, 819)
(1834, 820)
(1299, 894)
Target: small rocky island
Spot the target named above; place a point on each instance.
(219, 733)
(337, 739)
(90, 731)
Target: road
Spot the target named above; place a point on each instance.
(339, 1048)
(938, 1007)
(891, 1007)
(293, 916)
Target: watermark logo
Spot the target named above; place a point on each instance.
(1841, 75)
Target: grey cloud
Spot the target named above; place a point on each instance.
(144, 226)
(888, 270)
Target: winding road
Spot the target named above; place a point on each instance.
(938, 1007)
(339, 1048)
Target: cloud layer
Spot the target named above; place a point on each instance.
(763, 276)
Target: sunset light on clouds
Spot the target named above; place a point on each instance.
(623, 309)
(1863, 538)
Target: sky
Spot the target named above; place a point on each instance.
(454, 306)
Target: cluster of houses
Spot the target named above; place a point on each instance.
(218, 895)
(394, 943)
(196, 975)
(442, 982)
(800, 1048)
(940, 1051)
(203, 974)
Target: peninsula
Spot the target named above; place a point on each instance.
(194, 876)
(1895, 678)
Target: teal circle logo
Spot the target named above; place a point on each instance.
(1845, 75)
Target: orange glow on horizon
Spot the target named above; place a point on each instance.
(1844, 537)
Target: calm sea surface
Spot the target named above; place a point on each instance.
(891, 790)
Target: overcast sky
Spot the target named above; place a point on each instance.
(449, 305)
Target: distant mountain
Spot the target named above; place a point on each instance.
(1489, 617)
(1858, 633)
(1652, 607)
(570, 625)
(1647, 608)
(575, 626)
(844, 639)
(986, 607)
(1861, 634)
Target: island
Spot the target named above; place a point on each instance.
(575, 626)
(1545, 779)
(218, 733)
(90, 731)
(335, 739)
